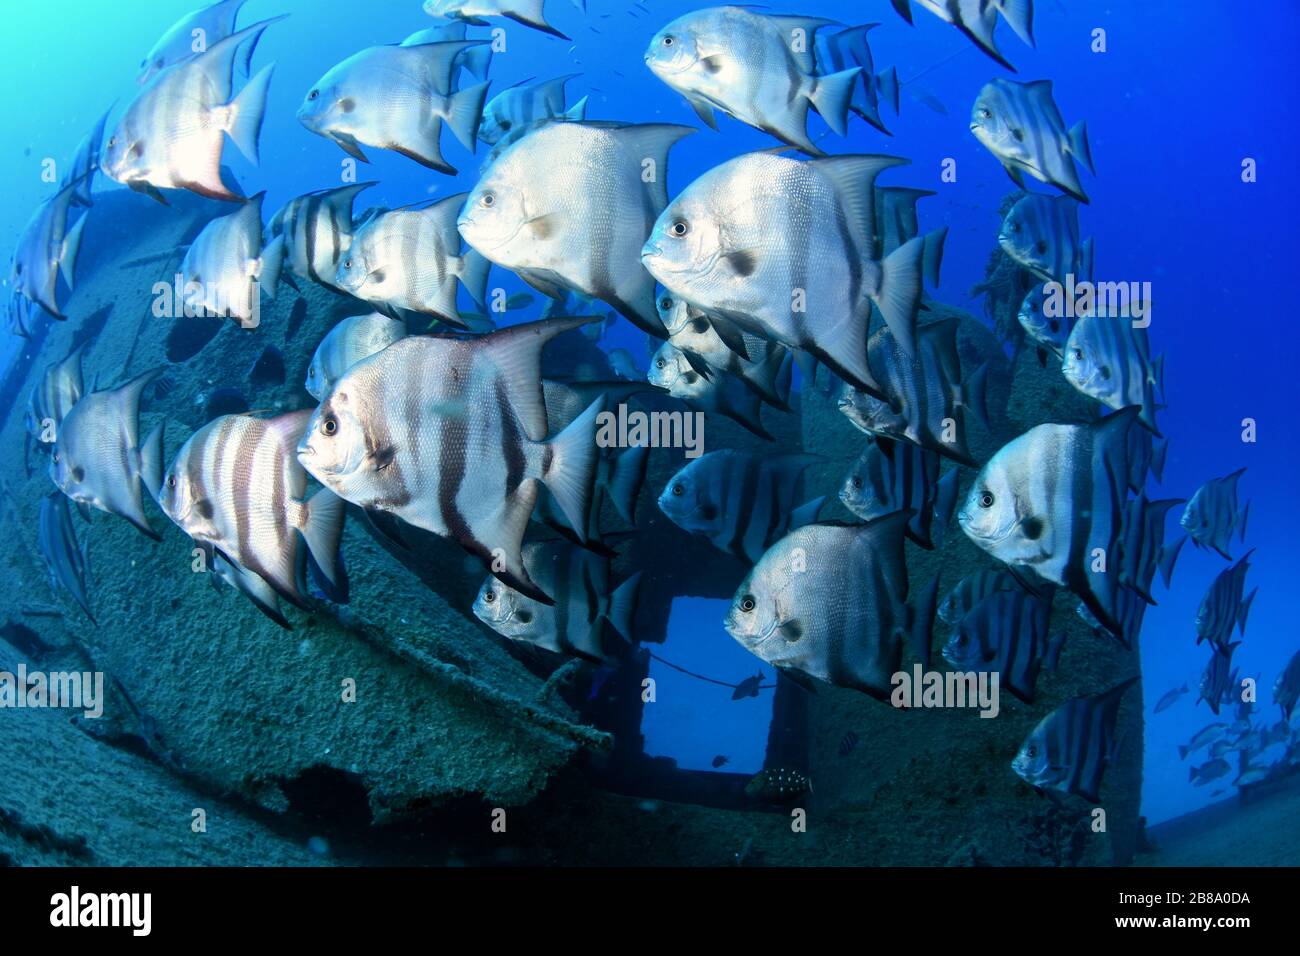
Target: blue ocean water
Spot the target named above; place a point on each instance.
(1184, 92)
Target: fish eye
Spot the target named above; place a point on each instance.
(347, 264)
(986, 499)
(1031, 752)
(112, 141)
(679, 228)
(857, 481)
(660, 363)
(986, 113)
(489, 597)
(314, 95)
(56, 457)
(747, 603)
(1077, 353)
(669, 41)
(678, 490)
(665, 303)
(171, 481)
(488, 199)
(329, 426)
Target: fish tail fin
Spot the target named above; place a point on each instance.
(477, 60)
(623, 605)
(1159, 452)
(1241, 520)
(473, 275)
(151, 460)
(1019, 15)
(1078, 146)
(886, 84)
(932, 255)
(68, 253)
(899, 294)
(627, 475)
(572, 469)
(903, 8)
(921, 618)
(322, 529)
(246, 112)
(831, 96)
(806, 513)
(464, 113)
(945, 503)
(1168, 557)
(272, 264)
(975, 394)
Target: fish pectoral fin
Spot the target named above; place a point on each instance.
(704, 110)
(546, 226)
(349, 146)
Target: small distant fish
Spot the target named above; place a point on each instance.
(742, 502)
(579, 583)
(1007, 632)
(847, 743)
(720, 760)
(1071, 747)
(410, 259)
(764, 366)
(350, 341)
(1209, 771)
(59, 389)
(1144, 551)
(778, 785)
(173, 133)
(1052, 495)
(1286, 691)
(1219, 678)
(1109, 359)
(925, 397)
(749, 687)
(1211, 516)
(237, 489)
(85, 163)
(1041, 233)
(567, 209)
(1203, 738)
(511, 113)
(226, 270)
(1048, 332)
(719, 393)
(397, 98)
(1225, 605)
(520, 300)
(317, 230)
(836, 613)
(269, 367)
(972, 589)
(1020, 124)
(98, 459)
(741, 61)
(1170, 697)
(214, 22)
(895, 476)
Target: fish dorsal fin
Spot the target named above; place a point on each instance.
(791, 26)
(439, 59)
(342, 197)
(854, 181)
(652, 141)
(517, 355)
(127, 399)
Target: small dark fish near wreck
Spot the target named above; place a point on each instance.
(778, 785)
(1211, 516)
(1072, 746)
(269, 368)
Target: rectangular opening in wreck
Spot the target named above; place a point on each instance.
(694, 719)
